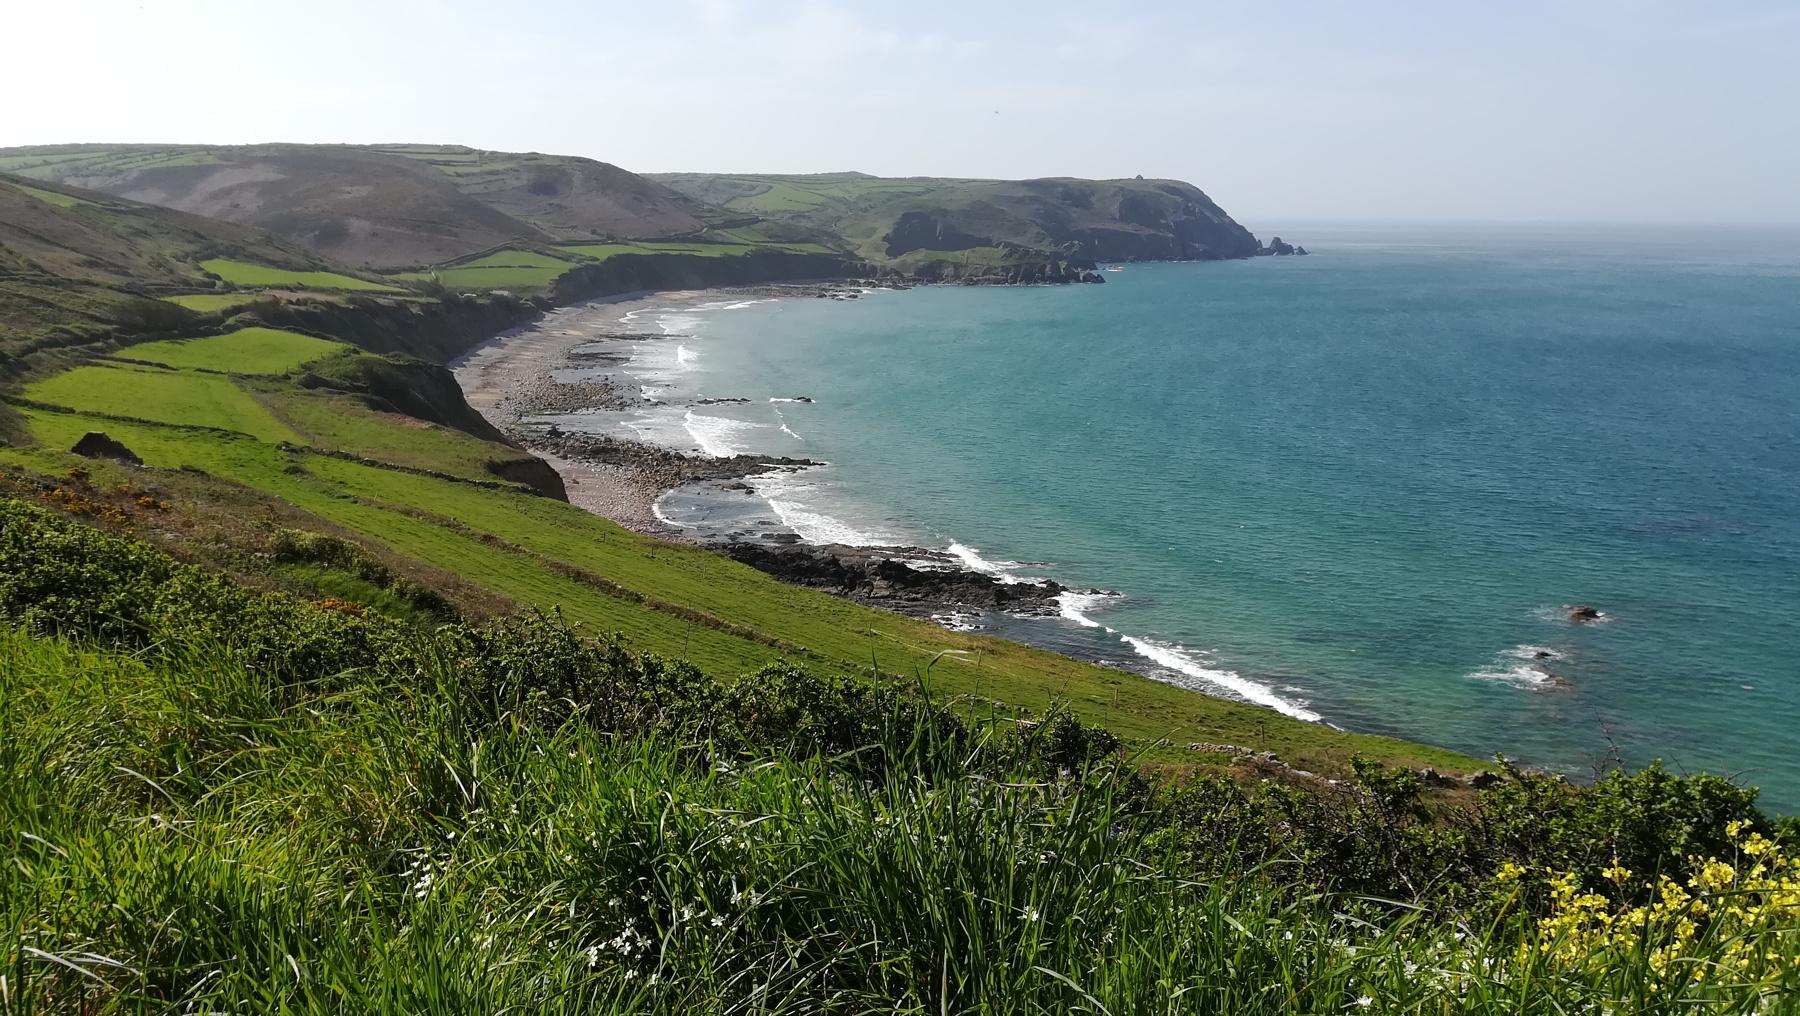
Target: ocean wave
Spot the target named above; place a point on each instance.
(972, 560)
(717, 435)
(1532, 670)
(684, 356)
(1074, 606)
(676, 323)
(1182, 661)
(780, 399)
(958, 620)
(656, 509)
(785, 429)
(782, 491)
(1524, 675)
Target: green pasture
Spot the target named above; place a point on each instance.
(243, 273)
(245, 351)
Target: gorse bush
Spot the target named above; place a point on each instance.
(241, 802)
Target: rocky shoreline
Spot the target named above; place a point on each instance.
(908, 580)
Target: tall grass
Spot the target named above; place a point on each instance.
(195, 836)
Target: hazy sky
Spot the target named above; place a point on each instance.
(1586, 110)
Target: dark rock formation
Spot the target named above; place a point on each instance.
(532, 472)
(665, 468)
(873, 576)
(630, 273)
(1280, 248)
(96, 444)
(1581, 613)
(917, 230)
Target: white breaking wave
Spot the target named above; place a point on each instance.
(1524, 675)
(1074, 606)
(781, 491)
(972, 559)
(1179, 660)
(1533, 672)
(685, 356)
(778, 399)
(819, 528)
(716, 435)
(785, 429)
(676, 323)
(661, 516)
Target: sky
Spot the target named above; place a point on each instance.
(1576, 111)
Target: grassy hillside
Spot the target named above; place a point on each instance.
(77, 270)
(1086, 220)
(219, 800)
(380, 206)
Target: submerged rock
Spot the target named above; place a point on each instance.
(1581, 613)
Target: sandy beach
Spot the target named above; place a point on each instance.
(512, 377)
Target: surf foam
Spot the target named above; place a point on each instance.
(785, 429)
(717, 435)
(972, 560)
(1181, 661)
(1074, 606)
(782, 490)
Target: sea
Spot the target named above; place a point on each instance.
(1362, 487)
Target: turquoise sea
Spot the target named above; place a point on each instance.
(1360, 486)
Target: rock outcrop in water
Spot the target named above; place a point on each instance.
(875, 576)
(1279, 248)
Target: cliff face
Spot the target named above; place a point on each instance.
(1070, 220)
(1126, 220)
(630, 273)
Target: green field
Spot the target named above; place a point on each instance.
(208, 303)
(177, 397)
(602, 251)
(518, 269)
(242, 273)
(246, 351)
(53, 197)
(507, 269)
(340, 421)
(517, 259)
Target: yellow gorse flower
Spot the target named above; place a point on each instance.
(1731, 923)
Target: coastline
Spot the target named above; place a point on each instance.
(511, 378)
(573, 407)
